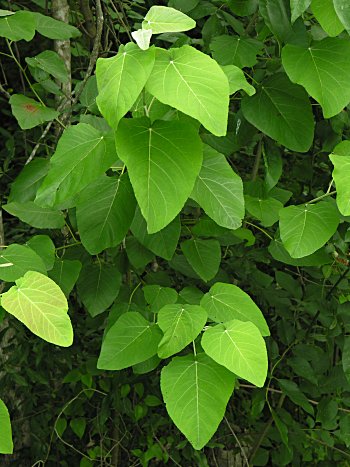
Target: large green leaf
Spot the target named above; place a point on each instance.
(36, 216)
(163, 161)
(341, 174)
(105, 211)
(193, 83)
(239, 347)
(16, 260)
(162, 243)
(39, 303)
(342, 8)
(204, 256)
(235, 50)
(323, 69)
(6, 444)
(81, 150)
(164, 19)
(45, 248)
(30, 113)
(307, 227)
(25, 186)
(219, 191)
(180, 324)
(281, 110)
(298, 7)
(98, 286)
(65, 273)
(20, 25)
(326, 15)
(196, 391)
(225, 302)
(158, 296)
(120, 80)
(130, 340)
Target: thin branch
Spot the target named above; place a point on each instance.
(238, 442)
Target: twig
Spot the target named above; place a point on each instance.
(257, 161)
(238, 442)
(4, 92)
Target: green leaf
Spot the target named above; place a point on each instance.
(158, 296)
(346, 357)
(105, 211)
(219, 190)
(78, 426)
(183, 5)
(236, 80)
(163, 161)
(235, 50)
(45, 248)
(298, 7)
(98, 286)
(40, 304)
(243, 7)
(20, 25)
(36, 216)
(54, 29)
(204, 256)
(196, 391)
(180, 324)
(291, 389)
(225, 302)
(281, 427)
(193, 83)
(120, 80)
(16, 260)
(307, 227)
(239, 347)
(25, 186)
(282, 111)
(279, 253)
(65, 273)
(81, 149)
(342, 8)
(30, 113)
(164, 19)
(325, 14)
(6, 444)
(323, 69)
(129, 341)
(50, 62)
(162, 243)
(264, 209)
(142, 37)
(138, 255)
(341, 160)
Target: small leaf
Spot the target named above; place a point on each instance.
(346, 357)
(19, 259)
(6, 444)
(129, 341)
(341, 160)
(243, 7)
(298, 7)
(54, 29)
(225, 302)
(26, 184)
(196, 391)
(45, 248)
(204, 256)
(50, 62)
(163, 161)
(193, 83)
(282, 111)
(105, 211)
(326, 15)
(180, 324)
(239, 347)
(342, 8)
(164, 19)
(30, 113)
(40, 304)
(158, 296)
(65, 273)
(120, 80)
(36, 216)
(306, 228)
(162, 243)
(323, 69)
(78, 425)
(98, 286)
(219, 190)
(142, 37)
(291, 389)
(235, 50)
(236, 80)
